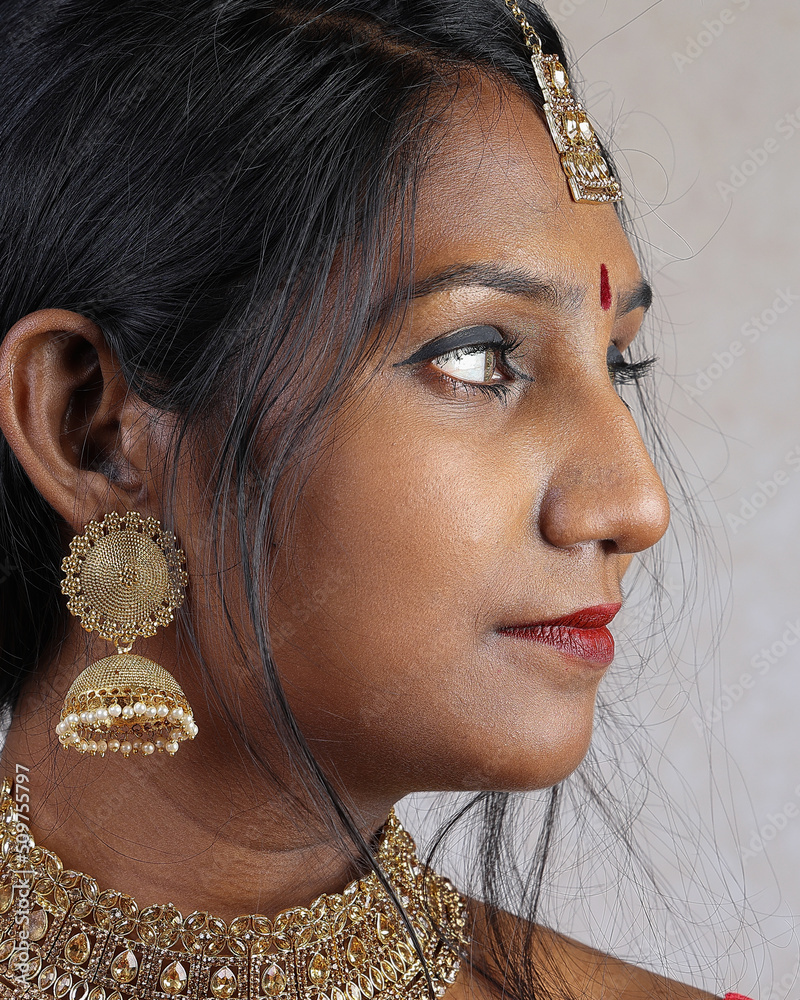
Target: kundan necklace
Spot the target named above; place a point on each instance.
(63, 937)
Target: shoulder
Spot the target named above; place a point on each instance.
(561, 961)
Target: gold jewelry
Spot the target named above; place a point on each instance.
(124, 578)
(582, 159)
(77, 942)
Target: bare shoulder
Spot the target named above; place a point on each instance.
(563, 962)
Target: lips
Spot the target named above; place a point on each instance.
(581, 634)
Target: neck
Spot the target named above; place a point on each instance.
(197, 830)
(77, 940)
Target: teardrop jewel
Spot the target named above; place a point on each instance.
(125, 967)
(356, 952)
(174, 979)
(223, 983)
(77, 949)
(273, 981)
(318, 969)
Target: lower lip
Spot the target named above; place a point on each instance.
(596, 645)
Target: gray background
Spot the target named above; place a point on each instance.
(706, 101)
(703, 101)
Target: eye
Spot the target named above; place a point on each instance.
(480, 367)
(477, 363)
(470, 360)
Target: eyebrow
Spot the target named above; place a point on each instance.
(512, 281)
(640, 298)
(515, 281)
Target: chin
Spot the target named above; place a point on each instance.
(525, 768)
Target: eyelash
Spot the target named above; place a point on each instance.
(630, 371)
(496, 389)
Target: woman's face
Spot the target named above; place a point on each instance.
(462, 495)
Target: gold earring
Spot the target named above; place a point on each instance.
(124, 578)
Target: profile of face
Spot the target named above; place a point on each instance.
(486, 477)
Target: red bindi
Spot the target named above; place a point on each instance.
(605, 288)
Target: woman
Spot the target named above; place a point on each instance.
(310, 285)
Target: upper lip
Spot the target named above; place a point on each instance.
(596, 616)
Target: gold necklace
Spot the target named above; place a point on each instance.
(63, 937)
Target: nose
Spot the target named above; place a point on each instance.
(604, 486)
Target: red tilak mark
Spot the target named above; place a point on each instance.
(605, 288)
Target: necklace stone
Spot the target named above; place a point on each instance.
(63, 938)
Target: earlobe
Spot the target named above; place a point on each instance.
(62, 403)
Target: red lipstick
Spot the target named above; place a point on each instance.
(582, 634)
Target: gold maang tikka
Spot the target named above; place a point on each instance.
(124, 578)
(582, 159)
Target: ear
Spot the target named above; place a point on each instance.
(68, 415)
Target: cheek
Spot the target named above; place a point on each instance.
(408, 540)
(402, 529)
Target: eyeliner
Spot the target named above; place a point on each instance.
(471, 336)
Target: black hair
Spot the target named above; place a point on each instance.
(209, 181)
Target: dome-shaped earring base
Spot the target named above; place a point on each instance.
(125, 704)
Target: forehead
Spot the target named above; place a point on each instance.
(495, 191)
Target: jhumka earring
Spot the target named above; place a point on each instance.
(582, 159)
(124, 578)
